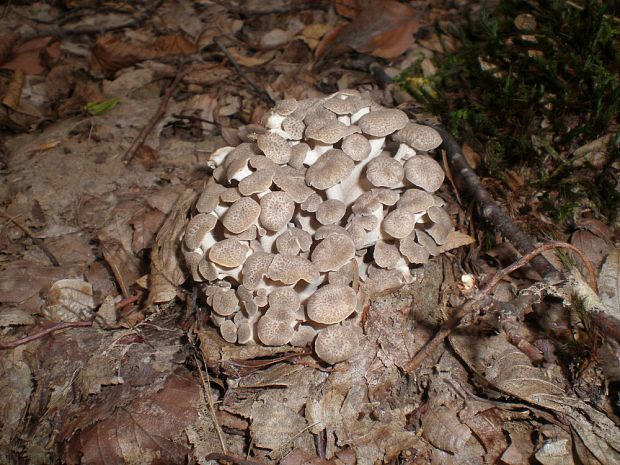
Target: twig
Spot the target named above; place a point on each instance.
(489, 209)
(232, 459)
(258, 89)
(153, 121)
(45, 332)
(501, 274)
(56, 31)
(38, 242)
(126, 301)
(207, 387)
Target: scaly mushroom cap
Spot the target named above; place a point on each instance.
(284, 297)
(331, 168)
(336, 344)
(415, 201)
(441, 224)
(424, 172)
(209, 198)
(277, 209)
(413, 252)
(293, 127)
(259, 181)
(225, 302)
(384, 171)
(331, 211)
(230, 253)
(275, 147)
(274, 332)
(399, 223)
(386, 255)
(241, 215)
(228, 330)
(255, 268)
(292, 241)
(326, 131)
(381, 123)
(293, 182)
(331, 304)
(197, 228)
(356, 146)
(333, 252)
(312, 203)
(419, 137)
(289, 269)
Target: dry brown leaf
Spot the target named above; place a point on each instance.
(123, 265)
(147, 156)
(60, 81)
(69, 300)
(14, 90)
(595, 248)
(383, 29)
(174, 44)
(28, 55)
(456, 239)
(347, 8)
(250, 61)
(109, 54)
(7, 41)
(145, 228)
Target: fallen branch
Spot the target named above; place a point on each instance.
(38, 242)
(38, 335)
(131, 152)
(258, 89)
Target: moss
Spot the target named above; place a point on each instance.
(526, 98)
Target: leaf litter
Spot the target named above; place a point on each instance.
(151, 381)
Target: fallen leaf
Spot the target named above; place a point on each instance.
(609, 283)
(27, 56)
(383, 29)
(14, 90)
(7, 41)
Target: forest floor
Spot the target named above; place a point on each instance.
(110, 112)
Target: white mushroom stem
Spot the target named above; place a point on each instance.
(404, 153)
(274, 121)
(313, 155)
(359, 113)
(218, 156)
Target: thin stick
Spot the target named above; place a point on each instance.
(45, 332)
(232, 459)
(153, 121)
(501, 274)
(38, 242)
(258, 89)
(207, 387)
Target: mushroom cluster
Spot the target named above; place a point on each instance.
(331, 199)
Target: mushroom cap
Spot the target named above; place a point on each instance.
(197, 228)
(381, 123)
(286, 107)
(255, 268)
(229, 253)
(225, 302)
(331, 168)
(259, 181)
(241, 215)
(312, 203)
(342, 104)
(274, 332)
(230, 195)
(424, 172)
(384, 171)
(277, 209)
(441, 224)
(303, 336)
(275, 147)
(331, 211)
(386, 254)
(333, 252)
(413, 252)
(399, 223)
(356, 146)
(298, 155)
(284, 297)
(228, 330)
(336, 344)
(331, 304)
(326, 131)
(289, 269)
(415, 201)
(209, 198)
(293, 182)
(427, 242)
(292, 241)
(419, 137)
(293, 127)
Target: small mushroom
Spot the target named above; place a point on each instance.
(275, 147)
(259, 181)
(331, 168)
(384, 171)
(331, 211)
(419, 137)
(225, 302)
(293, 241)
(255, 268)
(289, 269)
(229, 253)
(424, 172)
(382, 123)
(228, 330)
(336, 344)
(333, 252)
(274, 332)
(331, 304)
(356, 146)
(277, 209)
(241, 215)
(399, 223)
(197, 229)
